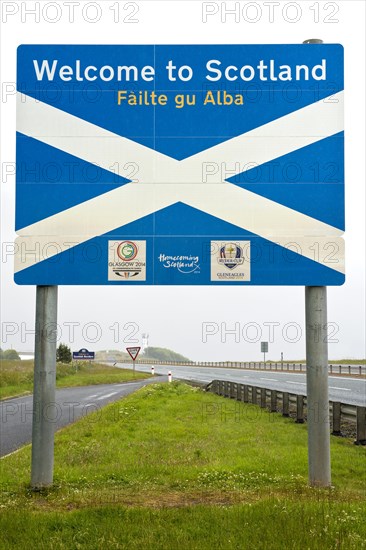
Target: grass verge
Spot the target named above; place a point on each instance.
(16, 377)
(173, 467)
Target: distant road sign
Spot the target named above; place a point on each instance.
(83, 354)
(133, 352)
(208, 164)
(264, 347)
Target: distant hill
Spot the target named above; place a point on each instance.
(163, 354)
(111, 355)
(151, 353)
(9, 355)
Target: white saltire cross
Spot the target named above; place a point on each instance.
(164, 181)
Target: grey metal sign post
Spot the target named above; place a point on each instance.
(317, 386)
(317, 379)
(43, 427)
(264, 350)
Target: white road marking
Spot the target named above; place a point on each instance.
(91, 397)
(271, 379)
(348, 378)
(297, 383)
(106, 395)
(335, 388)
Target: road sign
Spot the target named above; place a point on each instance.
(264, 347)
(83, 354)
(216, 164)
(133, 352)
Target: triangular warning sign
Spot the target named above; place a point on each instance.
(133, 352)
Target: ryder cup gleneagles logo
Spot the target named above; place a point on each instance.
(230, 261)
(127, 251)
(231, 255)
(126, 260)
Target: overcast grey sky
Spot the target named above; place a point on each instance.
(195, 321)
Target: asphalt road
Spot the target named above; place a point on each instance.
(344, 389)
(71, 404)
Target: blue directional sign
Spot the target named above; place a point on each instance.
(216, 164)
(83, 355)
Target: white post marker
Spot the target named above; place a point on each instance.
(152, 371)
(169, 376)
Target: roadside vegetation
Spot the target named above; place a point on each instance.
(331, 361)
(63, 354)
(348, 362)
(171, 466)
(16, 377)
(9, 355)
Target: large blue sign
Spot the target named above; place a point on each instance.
(180, 165)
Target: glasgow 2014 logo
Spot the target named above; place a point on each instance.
(127, 251)
(126, 260)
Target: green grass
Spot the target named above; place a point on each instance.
(173, 467)
(269, 525)
(349, 362)
(16, 377)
